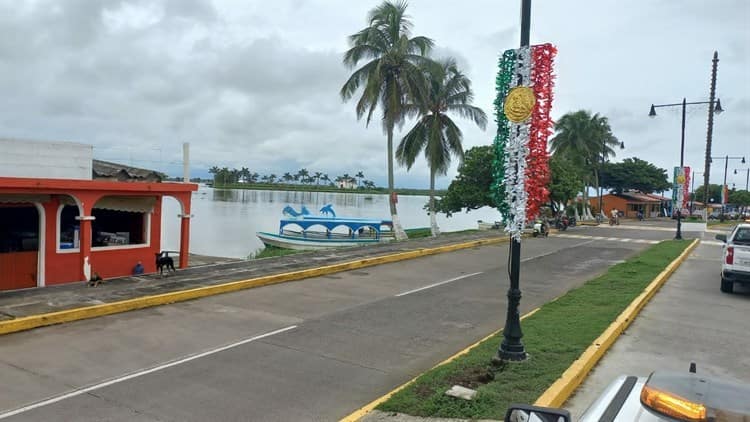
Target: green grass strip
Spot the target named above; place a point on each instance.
(554, 337)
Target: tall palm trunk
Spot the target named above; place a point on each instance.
(586, 212)
(433, 217)
(598, 192)
(398, 230)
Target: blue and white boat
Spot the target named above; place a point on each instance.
(302, 230)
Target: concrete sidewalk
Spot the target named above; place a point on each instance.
(37, 301)
(689, 320)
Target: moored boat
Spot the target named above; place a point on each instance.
(301, 230)
(486, 225)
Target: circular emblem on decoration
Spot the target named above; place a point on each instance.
(681, 180)
(519, 103)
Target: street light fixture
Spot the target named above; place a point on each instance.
(747, 177)
(726, 166)
(652, 113)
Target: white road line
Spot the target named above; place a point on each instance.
(438, 284)
(137, 374)
(610, 239)
(711, 242)
(556, 251)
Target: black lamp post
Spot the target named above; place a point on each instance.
(747, 177)
(599, 175)
(726, 167)
(683, 104)
(512, 348)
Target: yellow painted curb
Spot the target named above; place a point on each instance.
(362, 411)
(68, 315)
(561, 389)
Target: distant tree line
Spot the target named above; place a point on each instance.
(226, 176)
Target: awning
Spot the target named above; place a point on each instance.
(23, 198)
(127, 203)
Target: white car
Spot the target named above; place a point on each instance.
(662, 397)
(735, 259)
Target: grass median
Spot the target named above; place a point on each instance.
(555, 336)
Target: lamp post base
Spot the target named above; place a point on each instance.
(510, 352)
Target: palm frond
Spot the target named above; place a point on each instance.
(359, 77)
(475, 114)
(412, 143)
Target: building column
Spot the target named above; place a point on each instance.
(86, 206)
(184, 199)
(85, 245)
(184, 239)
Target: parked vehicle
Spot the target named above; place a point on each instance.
(562, 223)
(663, 396)
(735, 259)
(540, 229)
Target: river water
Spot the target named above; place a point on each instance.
(225, 220)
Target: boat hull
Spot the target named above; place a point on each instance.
(300, 243)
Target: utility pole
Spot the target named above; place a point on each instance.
(711, 96)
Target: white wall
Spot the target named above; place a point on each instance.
(44, 159)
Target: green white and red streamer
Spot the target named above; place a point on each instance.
(521, 170)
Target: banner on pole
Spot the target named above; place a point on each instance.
(680, 185)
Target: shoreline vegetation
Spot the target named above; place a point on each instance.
(320, 188)
(555, 336)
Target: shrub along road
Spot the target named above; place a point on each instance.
(316, 349)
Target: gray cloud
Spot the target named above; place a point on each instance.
(256, 84)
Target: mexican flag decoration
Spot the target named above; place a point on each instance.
(523, 103)
(680, 185)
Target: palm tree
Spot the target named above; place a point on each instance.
(325, 178)
(288, 177)
(435, 133)
(390, 75)
(586, 141)
(359, 176)
(317, 177)
(215, 171)
(303, 175)
(272, 178)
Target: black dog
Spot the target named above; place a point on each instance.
(164, 262)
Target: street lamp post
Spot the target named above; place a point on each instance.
(726, 167)
(512, 348)
(747, 177)
(599, 176)
(683, 104)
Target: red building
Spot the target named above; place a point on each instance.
(56, 230)
(629, 203)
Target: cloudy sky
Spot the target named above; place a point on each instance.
(255, 83)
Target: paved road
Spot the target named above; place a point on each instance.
(689, 320)
(310, 350)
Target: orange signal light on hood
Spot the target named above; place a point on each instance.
(673, 405)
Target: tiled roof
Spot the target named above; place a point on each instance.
(104, 170)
